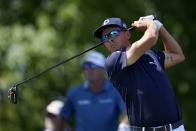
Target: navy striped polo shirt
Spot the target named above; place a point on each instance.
(145, 87)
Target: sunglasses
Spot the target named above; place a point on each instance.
(90, 66)
(113, 34)
(50, 115)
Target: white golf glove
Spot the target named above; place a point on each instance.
(158, 23)
(152, 17)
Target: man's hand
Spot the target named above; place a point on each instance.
(158, 23)
(142, 25)
(152, 17)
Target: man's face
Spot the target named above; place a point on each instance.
(93, 72)
(114, 38)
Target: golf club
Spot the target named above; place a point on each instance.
(13, 91)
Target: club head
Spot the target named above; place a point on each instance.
(13, 94)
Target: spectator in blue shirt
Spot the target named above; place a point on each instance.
(96, 104)
(139, 72)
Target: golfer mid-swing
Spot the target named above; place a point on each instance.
(139, 72)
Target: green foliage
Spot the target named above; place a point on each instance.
(35, 35)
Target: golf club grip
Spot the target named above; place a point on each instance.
(131, 28)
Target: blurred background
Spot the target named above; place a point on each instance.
(36, 34)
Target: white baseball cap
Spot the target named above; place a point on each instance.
(95, 58)
(54, 107)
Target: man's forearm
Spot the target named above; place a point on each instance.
(172, 50)
(170, 44)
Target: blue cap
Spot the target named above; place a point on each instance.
(109, 22)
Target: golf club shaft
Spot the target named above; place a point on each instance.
(56, 65)
(62, 62)
(131, 28)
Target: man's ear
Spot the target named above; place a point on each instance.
(128, 34)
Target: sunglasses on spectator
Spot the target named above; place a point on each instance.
(50, 115)
(90, 66)
(113, 34)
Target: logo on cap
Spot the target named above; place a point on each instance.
(106, 21)
(124, 25)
